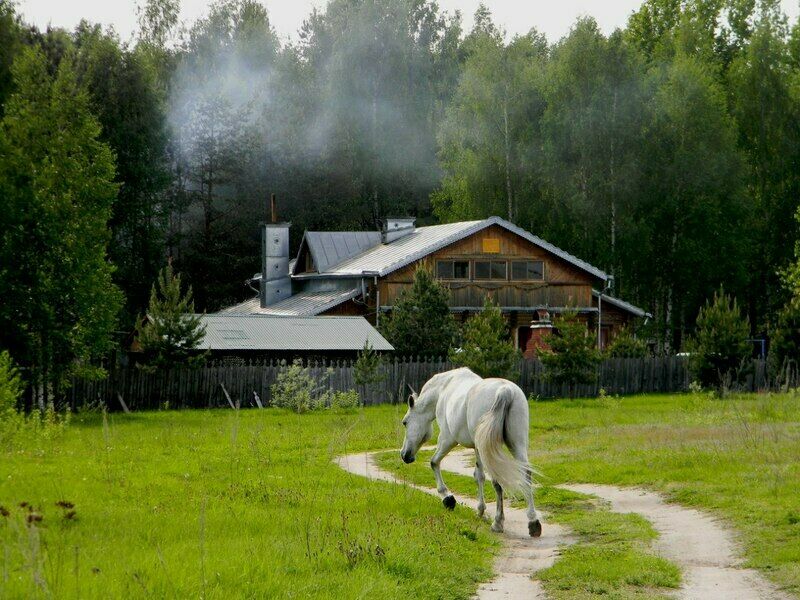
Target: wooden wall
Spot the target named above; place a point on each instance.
(563, 284)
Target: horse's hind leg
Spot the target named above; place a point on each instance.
(534, 524)
(480, 479)
(499, 517)
(443, 447)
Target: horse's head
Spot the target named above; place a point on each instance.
(419, 427)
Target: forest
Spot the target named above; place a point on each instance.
(666, 153)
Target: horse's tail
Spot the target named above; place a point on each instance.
(503, 468)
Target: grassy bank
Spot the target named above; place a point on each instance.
(225, 505)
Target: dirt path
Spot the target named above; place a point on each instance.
(703, 548)
(521, 554)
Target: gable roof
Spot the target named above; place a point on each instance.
(329, 248)
(383, 259)
(270, 332)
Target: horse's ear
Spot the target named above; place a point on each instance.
(411, 401)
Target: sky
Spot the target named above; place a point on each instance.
(553, 18)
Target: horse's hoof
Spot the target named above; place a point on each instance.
(535, 528)
(449, 502)
(497, 527)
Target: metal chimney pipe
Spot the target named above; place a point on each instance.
(273, 208)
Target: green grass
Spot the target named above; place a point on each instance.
(217, 504)
(221, 504)
(612, 556)
(737, 457)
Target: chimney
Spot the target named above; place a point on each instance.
(276, 285)
(541, 330)
(395, 228)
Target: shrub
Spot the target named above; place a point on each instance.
(297, 390)
(486, 348)
(343, 400)
(573, 356)
(626, 345)
(720, 344)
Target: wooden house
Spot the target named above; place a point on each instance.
(365, 272)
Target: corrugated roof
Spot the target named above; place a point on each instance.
(268, 332)
(386, 258)
(329, 248)
(304, 304)
(621, 304)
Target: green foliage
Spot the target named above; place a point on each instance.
(296, 389)
(11, 386)
(784, 345)
(366, 369)
(170, 334)
(421, 323)
(486, 347)
(626, 345)
(720, 344)
(57, 186)
(573, 356)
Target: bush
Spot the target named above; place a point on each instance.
(298, 391)
(626, 345)
(719, 346)
(486, 348)
(343, 400)
(573, 356)
(366, 369)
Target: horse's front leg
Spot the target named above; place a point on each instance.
(499, 517)
(480, 479)
(444, 446)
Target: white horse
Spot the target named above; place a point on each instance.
(481, 414)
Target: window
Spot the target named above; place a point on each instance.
(495, 269)
(527, 270)
(452, 269)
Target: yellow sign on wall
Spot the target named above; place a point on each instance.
(491, 245)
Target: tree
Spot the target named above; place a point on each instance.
(11, 384)
(366, 369)
(720, 344)
(421, 324)
(626, 345)
(573, 356)
(486, 347)
(170, 334)
(57, 188)
(489, 136)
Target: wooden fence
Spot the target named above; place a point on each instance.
(248, 383)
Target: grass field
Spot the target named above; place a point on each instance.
(224, 504)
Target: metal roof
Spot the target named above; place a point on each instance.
(386, 258)
(269, 332)
(304, 304)
(622, 305)
(329, 248)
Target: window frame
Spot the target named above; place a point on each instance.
(452, 275)
(526, 263)
(491, 264)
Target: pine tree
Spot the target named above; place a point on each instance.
(626, 345)
(486, 348)
(421, 323)
(720, 343)
(171, 333)
(366, 369)
(573, 355)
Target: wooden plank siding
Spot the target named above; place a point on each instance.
(563, 283)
